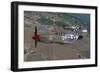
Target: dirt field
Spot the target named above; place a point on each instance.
(44, 51)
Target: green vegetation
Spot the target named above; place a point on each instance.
(71, 20)
(60, 23)
(45, 21)
(48, 21)
(66, 19)
(76, 21)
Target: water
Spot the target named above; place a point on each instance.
(84, 17)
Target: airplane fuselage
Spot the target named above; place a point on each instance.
(55, 38)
